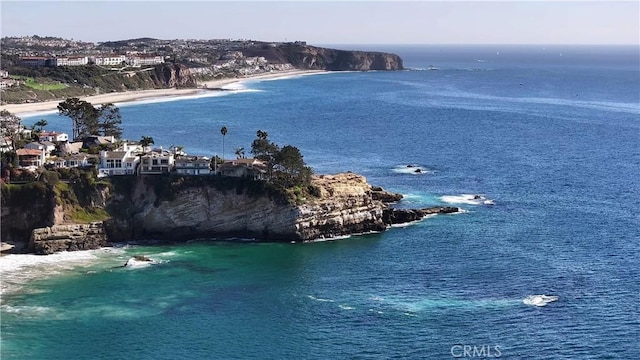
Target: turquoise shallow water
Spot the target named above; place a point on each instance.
(552, 139)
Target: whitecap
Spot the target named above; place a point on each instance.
(136, 263)
(345, 307)
(411, 169)
(539, 300)
(469, 199)
(319, 299)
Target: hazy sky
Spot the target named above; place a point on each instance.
(332, 22)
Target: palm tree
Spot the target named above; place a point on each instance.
(240, 152)
(145, 141)
(223, 131)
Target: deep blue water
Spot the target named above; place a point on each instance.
(551, 134)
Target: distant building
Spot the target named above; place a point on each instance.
(36, 61)
(145, 60)
(112, 60)
(71, 61)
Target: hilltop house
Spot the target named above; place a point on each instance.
(53, 136)
(157, 161)
(251, 168)
(69, 161)
(45, 146)
(30, 157)
(193, 165)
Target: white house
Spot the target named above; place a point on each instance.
(53, 136)
(77, 160)
(45, 146)
(157, 161)
(117, 163)
(193, 165)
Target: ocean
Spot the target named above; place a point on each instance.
(551, 134)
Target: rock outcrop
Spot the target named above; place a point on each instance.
(392, 216)
(72, 237)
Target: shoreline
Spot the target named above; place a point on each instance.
(32, 109)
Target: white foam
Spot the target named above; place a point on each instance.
(25, 310)
(539, 300)
(345, 307)
(469, 199)
(200, 95)
(319, 299)
(412, 169)
(17, 269)
(134, 263)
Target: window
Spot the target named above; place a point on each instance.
(164, 161)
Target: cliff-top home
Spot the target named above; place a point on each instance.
(193, 165)
(30, 157)
(157, 161)
(251, 168)
(53, 136)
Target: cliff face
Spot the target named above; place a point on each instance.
(317, 58)
(25, 208)
(345, 206)
(173, 75)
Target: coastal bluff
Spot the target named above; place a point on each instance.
(320, 58)
(182, 208)
(239, 208)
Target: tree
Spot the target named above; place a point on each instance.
(145, 141)
(110, 120)
(83, 115)
(89, 120)
(290, 167)
(39, 126)
(264, 150)
(10, 126)
(223, 131)
(240, 152)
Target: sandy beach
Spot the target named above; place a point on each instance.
(130, 96)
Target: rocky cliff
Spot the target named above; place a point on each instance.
(318, 58)
(153, 208)
(179, 208)
(173, 75)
